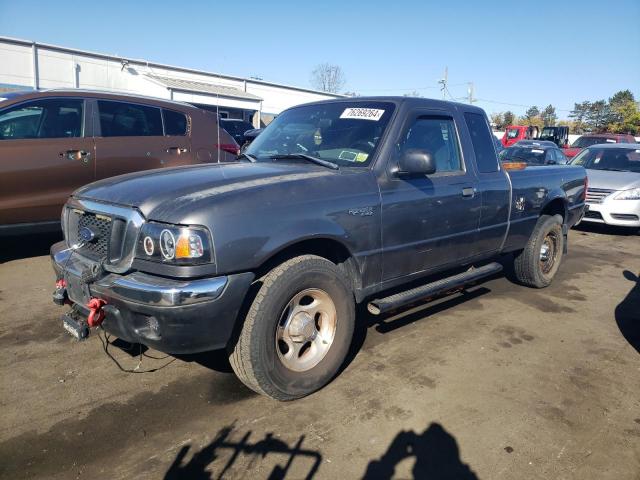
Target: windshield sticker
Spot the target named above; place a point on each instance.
(317, 137)
(349, 156)
(362, 157)
(610, 140)
(535, 150)
(363, 113)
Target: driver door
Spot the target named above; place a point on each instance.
(428, 221)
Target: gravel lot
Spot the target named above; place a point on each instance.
(501, 382)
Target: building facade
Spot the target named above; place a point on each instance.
(31, 65)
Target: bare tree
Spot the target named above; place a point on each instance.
(328, 78)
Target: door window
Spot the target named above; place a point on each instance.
(46, 118)
(175, 123)
(482, 140)
(122, 119)
(436, 135)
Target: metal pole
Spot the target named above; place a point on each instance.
(34, 57)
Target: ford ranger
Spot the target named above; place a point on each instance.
(381, 201)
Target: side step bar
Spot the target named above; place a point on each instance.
(392, 302)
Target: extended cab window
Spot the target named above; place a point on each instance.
(122, 119)
(482, 140)
(47, 118)
(175, 123)
(436, 135)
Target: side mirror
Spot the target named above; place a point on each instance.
(414, 161)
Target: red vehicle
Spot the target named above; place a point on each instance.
(587, 140)
(515, 133)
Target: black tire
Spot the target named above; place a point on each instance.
(254, 357)
(529, 267)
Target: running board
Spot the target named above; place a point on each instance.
(392, 302)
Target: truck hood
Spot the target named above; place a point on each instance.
(152, 192)
(613, 180)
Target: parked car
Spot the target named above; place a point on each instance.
(593, 139)
(54, 141)
(534, 152)
(515, 133)
(250, 136)
(613, 196)
(268, 258)
(558, 135)
(237, 129)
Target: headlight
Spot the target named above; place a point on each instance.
(633, 194)
(174, 244)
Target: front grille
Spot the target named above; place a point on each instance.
(597, 195)
(115, 232)
(593, 214)
(97, 248)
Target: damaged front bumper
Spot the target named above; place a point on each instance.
(170, 315)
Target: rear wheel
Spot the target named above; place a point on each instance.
(537, 264)
(298, 329)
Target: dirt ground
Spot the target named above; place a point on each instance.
(500, 382)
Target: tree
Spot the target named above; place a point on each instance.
(509, 118)
(414, 93)
(549, 116)
(531, 114)
(622, 106)
(497, 119)
(328, 78)
(579, 114)
(598, 115)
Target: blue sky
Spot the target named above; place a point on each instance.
(522, 53)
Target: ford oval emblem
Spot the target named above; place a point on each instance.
(86, 234)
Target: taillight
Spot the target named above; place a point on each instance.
(231, 148)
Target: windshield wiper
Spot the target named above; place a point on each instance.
(248, 156)
(304, 156)
(614, 169)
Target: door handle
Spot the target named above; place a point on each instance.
(76, 155)
(177, 150)
(468, 192)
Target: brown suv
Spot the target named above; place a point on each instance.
(52, 142)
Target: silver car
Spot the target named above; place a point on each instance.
(613, 196)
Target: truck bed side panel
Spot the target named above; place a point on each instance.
(531, 195)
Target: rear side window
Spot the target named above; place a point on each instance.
(481, 138)
(47, 118)
(122, 119)
(175, 123)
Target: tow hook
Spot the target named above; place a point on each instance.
(60, 293)
(96, 313)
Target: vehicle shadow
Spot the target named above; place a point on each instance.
(601, 228)
(27, 246)
(436, 454)
(628, 312)
(198, 466)
(405, 316)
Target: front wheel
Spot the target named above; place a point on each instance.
(298, 329)
(537, 264)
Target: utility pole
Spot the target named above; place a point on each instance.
(443, 82)
(470, 92)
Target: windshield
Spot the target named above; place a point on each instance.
(584, 142)
(512, 133)
(548, 133)
(616, 159)
(534, 156)
(345, 133)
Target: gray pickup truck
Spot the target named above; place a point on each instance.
(383, 201)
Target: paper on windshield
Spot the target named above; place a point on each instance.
(374, 114)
